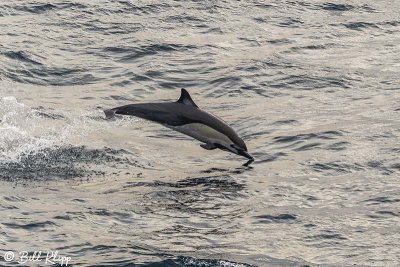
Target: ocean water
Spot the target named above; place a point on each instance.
(312, 87)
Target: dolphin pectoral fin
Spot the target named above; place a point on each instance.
(208, 146)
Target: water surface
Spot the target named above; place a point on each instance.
(311, 86)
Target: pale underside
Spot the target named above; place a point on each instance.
(203, 133)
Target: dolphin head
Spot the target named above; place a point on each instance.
(237, 146)
(240, 148)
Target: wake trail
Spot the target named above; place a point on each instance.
(30, 131)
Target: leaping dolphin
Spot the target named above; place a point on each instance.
(186, 117)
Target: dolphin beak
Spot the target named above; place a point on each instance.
(245, 154)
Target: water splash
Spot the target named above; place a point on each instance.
(27, 131)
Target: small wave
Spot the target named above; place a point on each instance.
(46, 75)
(127, 53)
(312, 47)
(327, 235)
(337, 7)
(196, 195)
(382, 200)
(185, 18)
(336, 168)
(308, 147)
(338, 146)
(388, 213)
(290, 23)
(31, 226)
(359, 26)
(384, 214)
(280, 218)
(310, 141)
(285, 122)
(322, 135)
(213, 170)
(129, 7)
(211, 182)
(383, 167)
(264, 5)
(21, 56)
(227, 81)
(263, 158)
(393, 23)
(304, 82)
(119, 29)
(36, 8)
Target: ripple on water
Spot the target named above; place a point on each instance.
(305, 82)
(336, 168)
(382, 200)
(337, 7)
(263, 157)
(22, 57)
(207, 183)
(132, 53)
(322, 135)
(383, 167)
(31, 226)
(204, 196)
(384, 214)
(49, 75)
(296, 142)
(285, 122)
(360, 26)
(40, 8)
(337, 146)
(280, 218)
(327, 236)
(281, 57)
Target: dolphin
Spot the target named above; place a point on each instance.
(186, 117)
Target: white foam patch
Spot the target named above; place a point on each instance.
(24, 130)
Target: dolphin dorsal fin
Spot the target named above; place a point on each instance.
(186, 99)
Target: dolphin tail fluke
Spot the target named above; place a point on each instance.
(110, 113)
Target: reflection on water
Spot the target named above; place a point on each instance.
(311, 86)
